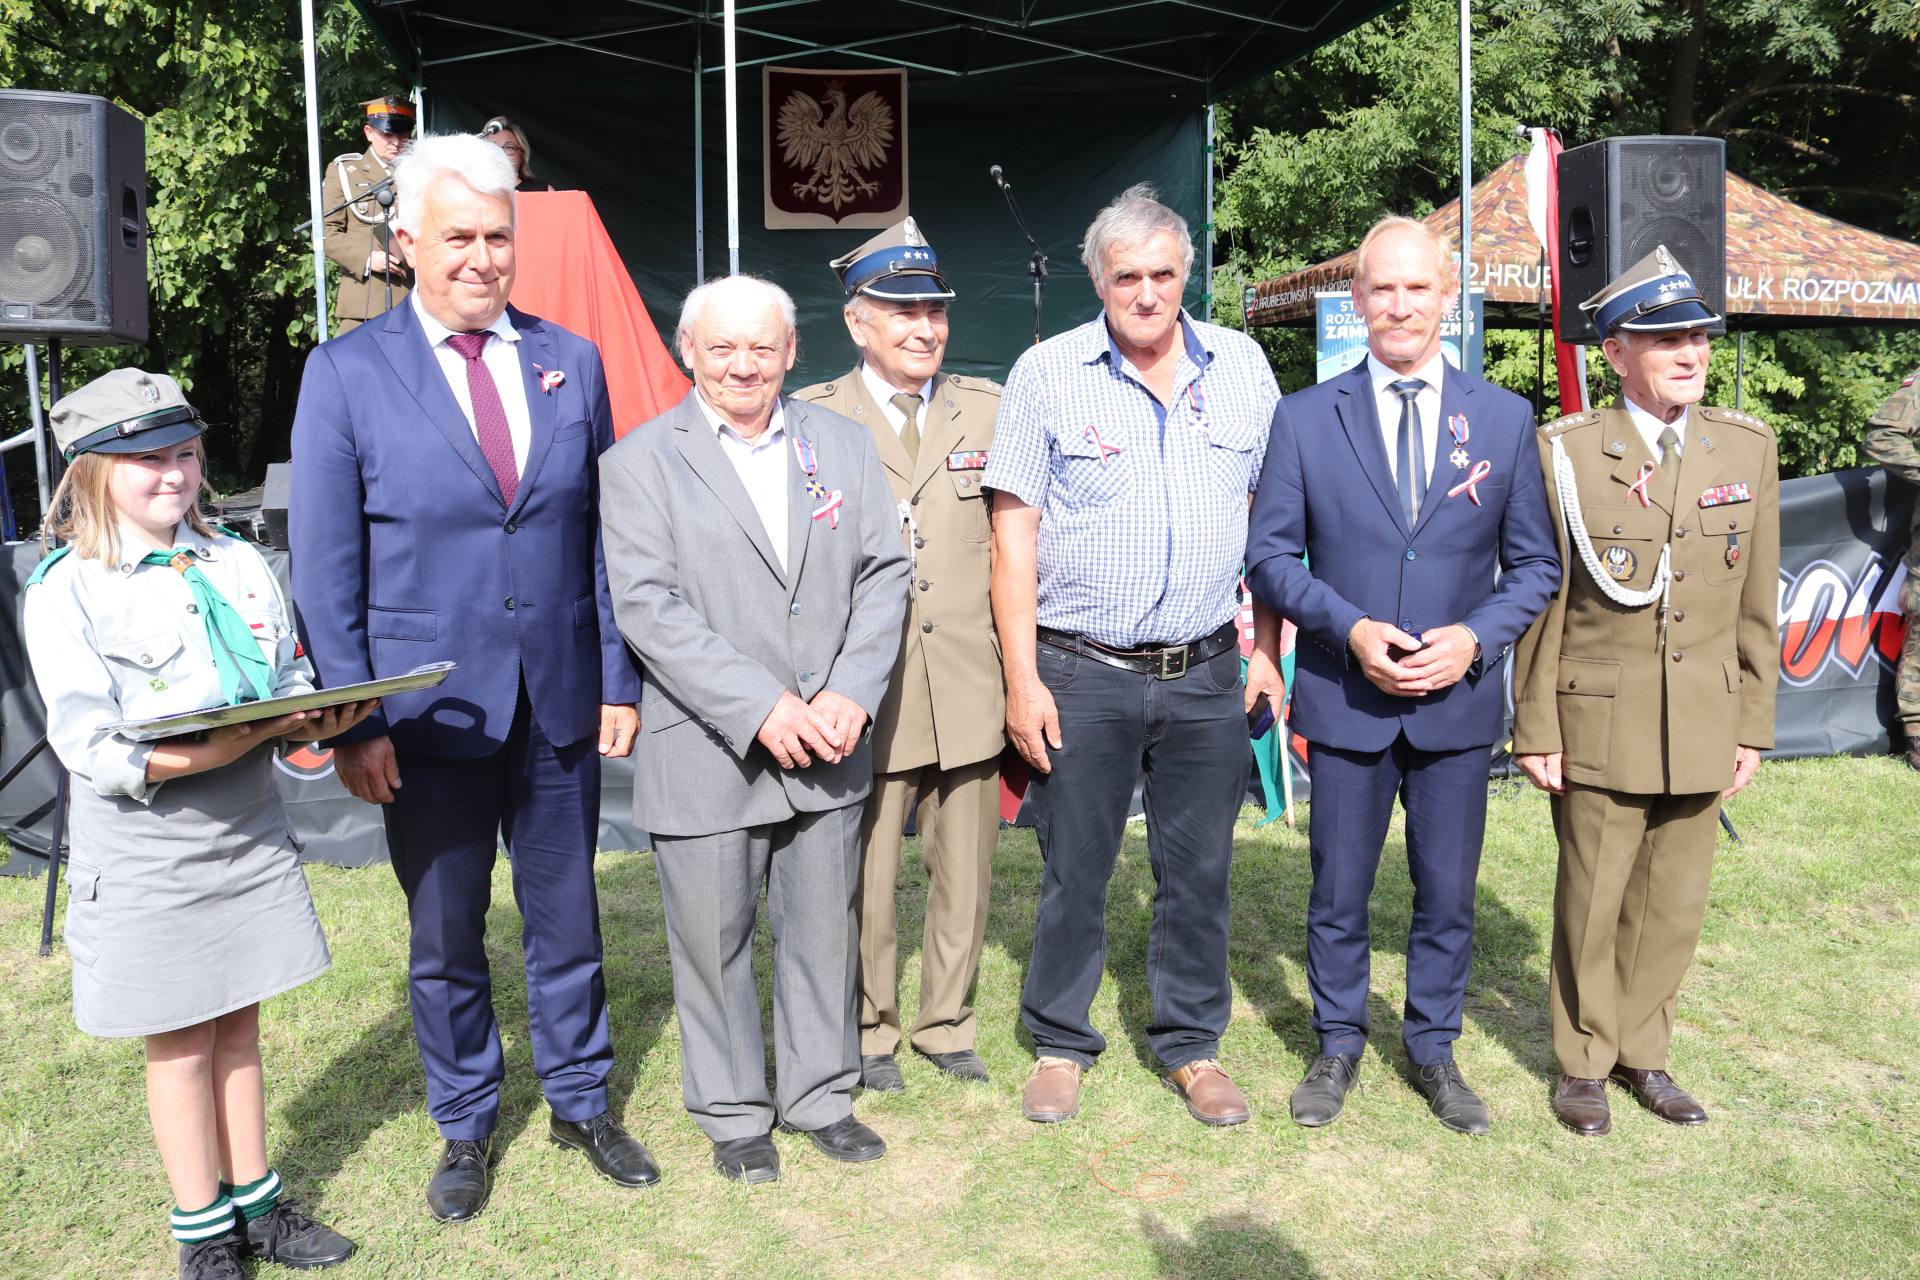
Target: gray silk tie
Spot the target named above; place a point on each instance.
(1410, 466)
(908, 403)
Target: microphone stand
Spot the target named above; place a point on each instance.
(1037, 264)
(382, 192)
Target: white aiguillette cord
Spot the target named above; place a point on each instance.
(1659, 589)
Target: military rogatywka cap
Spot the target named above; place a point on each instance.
(898, 265)
(126, 411)
(1652, 295)
(391, 114)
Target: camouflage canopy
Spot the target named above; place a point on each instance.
(1787, 267)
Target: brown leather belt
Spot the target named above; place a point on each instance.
(1163, 662)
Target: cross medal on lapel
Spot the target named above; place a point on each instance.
(1457, 428)
(829, 500)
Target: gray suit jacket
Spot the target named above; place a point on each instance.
(722, 632)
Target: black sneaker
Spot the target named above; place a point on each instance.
(215, 1259)
(286, 1235)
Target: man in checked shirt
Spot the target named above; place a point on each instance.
(1124, 453)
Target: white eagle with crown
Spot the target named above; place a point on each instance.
(836, 143)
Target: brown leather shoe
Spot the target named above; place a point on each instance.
(1581, 1105)
(1053, 1091)
(1656, 1091)
(1211, 1096)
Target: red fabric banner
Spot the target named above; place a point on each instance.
(569, 272)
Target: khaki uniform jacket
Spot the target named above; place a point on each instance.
(1633, 712)
(351, 236)
(946, 704)
(1893, 441)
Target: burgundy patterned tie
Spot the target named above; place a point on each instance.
(489, 415)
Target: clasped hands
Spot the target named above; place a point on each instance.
(828, 727)
(1429, 662)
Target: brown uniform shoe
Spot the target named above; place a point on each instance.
(1053, 1091)
(1656, 1091)
(1581, 1105)
(1211, 1096)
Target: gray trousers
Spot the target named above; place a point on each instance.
(710, 887)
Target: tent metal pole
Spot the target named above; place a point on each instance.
(733, 144)
(42, 460)
(316, 232)
(1466, 175)
(1206, 240)
(699, 174)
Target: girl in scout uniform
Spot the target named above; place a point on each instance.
(186, 905)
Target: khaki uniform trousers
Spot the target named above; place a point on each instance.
(958, 819)
(1627, 909)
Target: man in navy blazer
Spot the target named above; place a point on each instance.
(1402, 524)
(445, 507)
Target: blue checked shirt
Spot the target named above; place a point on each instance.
(1141, 540)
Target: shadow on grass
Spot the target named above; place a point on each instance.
(378, 1076)
(1231, 1246)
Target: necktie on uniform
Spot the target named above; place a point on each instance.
(245, 673)
(489, 415)
(1669, 461)
(1411, 464)
(908, 402)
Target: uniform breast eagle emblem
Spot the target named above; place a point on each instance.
(836, 143)
(1618, 562)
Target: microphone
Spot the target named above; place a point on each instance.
(998, 178)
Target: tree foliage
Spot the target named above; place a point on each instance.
(1806, 93)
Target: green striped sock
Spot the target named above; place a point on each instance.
(256, 1199)
(191, 1225)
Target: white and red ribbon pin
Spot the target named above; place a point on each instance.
(1639, 487)
(1106, 450)
(829, 510)
(1481, 470)
(549, 379)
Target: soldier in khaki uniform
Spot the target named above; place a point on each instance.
(1893, 440)
(356, 232)
(1644, 694)
(938, 736)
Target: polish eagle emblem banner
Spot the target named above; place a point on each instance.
(834, 147)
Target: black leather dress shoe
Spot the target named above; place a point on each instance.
(1453, 1104)
(614, 1153)
(462, 1181)
(961, 1064)
(879, 1073)
(1319, 1098)
(215, 1259)
(286, 1235)
(747, 1159)
(1656, 1091)
(847, 1139)
(1581, 1105)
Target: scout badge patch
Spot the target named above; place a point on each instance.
(1619, 562)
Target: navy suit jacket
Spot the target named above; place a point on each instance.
(404, 551)
(1328, 545)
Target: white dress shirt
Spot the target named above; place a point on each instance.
(761, 465)
(1650, 428)
(883, 393)
(1387, 404)
(502, 361)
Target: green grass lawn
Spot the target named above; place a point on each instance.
(1798, 1028)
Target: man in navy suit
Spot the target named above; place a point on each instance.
(446, 507)
(1401, 522)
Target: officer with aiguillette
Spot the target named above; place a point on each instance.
(1893, 440)
(1644, 694)
(938, 735)
(373, 275)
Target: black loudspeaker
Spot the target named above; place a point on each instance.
(1620, 198)
(73, 220)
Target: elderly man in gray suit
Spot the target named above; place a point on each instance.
(753, 549)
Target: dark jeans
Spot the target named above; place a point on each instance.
(1189, 736)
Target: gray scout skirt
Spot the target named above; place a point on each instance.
(187, 908)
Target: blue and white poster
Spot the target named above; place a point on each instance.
(1343, 334)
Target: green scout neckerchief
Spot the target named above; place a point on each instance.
(236, 653)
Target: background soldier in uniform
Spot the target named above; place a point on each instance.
(356, 234)
(1893, 440)
(1644, 694)
(937, 742)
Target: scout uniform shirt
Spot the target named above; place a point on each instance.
(1653, 698)
(946, 704)
(354, 232)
